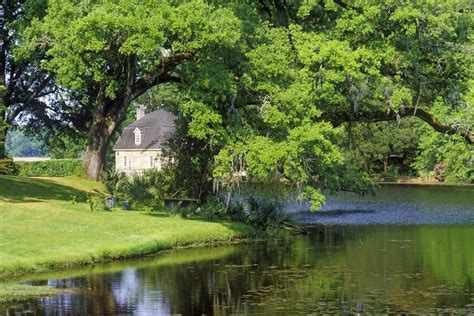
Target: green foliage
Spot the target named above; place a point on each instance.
(112, 180)
(183, 211)
(449, 150)
(23, 86)
(214, 209)
(65, 146)
(259, 92)
(50, 168)
(191, 174)
(377, 147)
(452, 152)
(91, 28)
(265, 213)
(20, 144)
(261, 212)
(147, 189)
(8, 167)
(97, 202)
(108, 53)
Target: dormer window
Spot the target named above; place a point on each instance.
(138, 136)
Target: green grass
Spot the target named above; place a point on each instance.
(41, 228)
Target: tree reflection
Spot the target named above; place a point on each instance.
(340, 269)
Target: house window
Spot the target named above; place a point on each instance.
(152, 161)
(125, 161)
(138, 136)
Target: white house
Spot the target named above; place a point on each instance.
(141, 143)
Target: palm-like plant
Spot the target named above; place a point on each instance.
(112, 180)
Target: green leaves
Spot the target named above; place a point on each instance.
(253, 90)
(97, 41)
(204, 122)
(305, 159)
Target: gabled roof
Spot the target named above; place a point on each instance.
(156, 127)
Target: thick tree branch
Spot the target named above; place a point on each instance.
(161, 74)
(390, 115)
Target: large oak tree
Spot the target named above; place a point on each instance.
(262, 84)
(111, 52)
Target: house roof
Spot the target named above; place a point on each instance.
(155, 128)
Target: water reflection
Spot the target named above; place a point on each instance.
(336, 269)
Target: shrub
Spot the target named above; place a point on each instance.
(183, 211)
(265, 213)
(8, 167)
(147, 189)
(260, 212)
(211, 209)
(50, 168)
(97, 202)
(112, 180)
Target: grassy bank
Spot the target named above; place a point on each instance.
(420, 181)
(46, 224)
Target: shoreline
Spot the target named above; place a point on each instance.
(434, 184)
(51, 266)
(13, 290)
(46, 225)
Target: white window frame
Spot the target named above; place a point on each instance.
(138, 136)
(125, 161)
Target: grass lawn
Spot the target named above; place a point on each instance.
(42, 228)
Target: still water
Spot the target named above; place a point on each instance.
(361, 258)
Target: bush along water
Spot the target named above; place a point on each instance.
(149, 190)
(262, 212)
(261, 205)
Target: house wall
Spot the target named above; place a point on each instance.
(137, 161)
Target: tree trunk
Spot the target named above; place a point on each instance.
(105, 121)
(3, 143)
(3, 124)
(96, 151)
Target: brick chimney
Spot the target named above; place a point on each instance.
(140, 111)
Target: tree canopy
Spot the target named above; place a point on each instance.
(110, 52)
(25, 83)
(262, 89)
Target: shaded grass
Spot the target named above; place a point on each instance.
(42, 229)
(22, 189)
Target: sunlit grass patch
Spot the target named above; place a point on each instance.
(45, 223)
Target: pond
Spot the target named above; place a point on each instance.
(358, 258)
